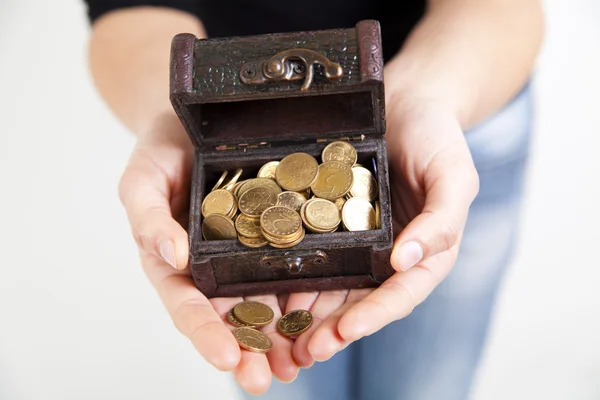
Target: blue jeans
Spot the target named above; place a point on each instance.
(434, 352)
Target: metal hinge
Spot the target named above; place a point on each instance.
(242, 146)
(347, 138)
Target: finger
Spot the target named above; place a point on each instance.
(193, 315)
(145, 192)
(280, 359)
(396, 297)
(326, 303)
(253, 373)
(301, 301)
(451, 186)
(325, 340)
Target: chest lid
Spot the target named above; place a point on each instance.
(277, 89)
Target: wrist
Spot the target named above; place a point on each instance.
(165, 129)
(411, 87)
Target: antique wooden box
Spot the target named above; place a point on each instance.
(248, 100)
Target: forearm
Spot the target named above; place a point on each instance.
(129, 61)
(469, 55)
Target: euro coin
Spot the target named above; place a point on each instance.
(268, 170)
(358, 215)
(364, 184)
(295, 322)
(339, 151)
(334, 180)
(377, 215)
(218, 227)
(247, 226)
(252, 340)
(293, 200)
(256, 200)
(219, 201)
(297, 172)
(253, 313)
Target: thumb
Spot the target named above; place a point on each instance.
(451, 185)
(145, 192)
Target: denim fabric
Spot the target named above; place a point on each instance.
(433, 353)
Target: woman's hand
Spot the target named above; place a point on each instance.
(155, 192)
(433, 182)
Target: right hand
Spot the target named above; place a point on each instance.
(155, 192)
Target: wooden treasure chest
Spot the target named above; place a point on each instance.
(273, 114)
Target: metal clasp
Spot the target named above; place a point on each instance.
(294, 262)
(290, 65)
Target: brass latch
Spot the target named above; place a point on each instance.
(290, 65)
(294, 262)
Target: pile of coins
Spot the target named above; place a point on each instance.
(291, 197)
(250, 315)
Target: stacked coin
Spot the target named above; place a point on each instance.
(249, 316)
(282, 227)
(320, 215)
(291, 195)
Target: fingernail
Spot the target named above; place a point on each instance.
(167, 252)
(409, 254)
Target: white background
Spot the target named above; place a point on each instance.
(78, 319)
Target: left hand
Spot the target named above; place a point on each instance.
(433, 183)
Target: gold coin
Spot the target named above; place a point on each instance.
(339, 202)
(284, 240)
(218, 227)
(293, 200)
(364, 184)
(307, 223)
(358, 215)
(253, 313)
(253, 340)
(259, 182)
(377, 215)
(234, 209)
(295, 322)
(236, 188)
(322, 214)
(306, 193)
(218, 202)
(253, 242)
(268, 170)
(334, 180)
(247, 226)
(231, 182)
(220, 181)
(236, 322)
(297, 172)
(291, 244)
(339, 151)
(256, 200)
(280, 221)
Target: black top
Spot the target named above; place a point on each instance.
(243, 17)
